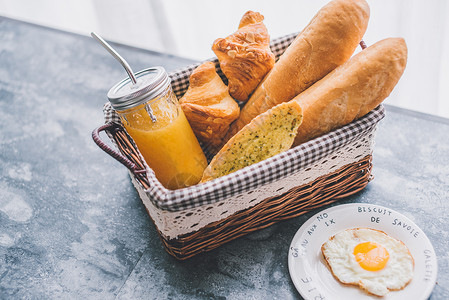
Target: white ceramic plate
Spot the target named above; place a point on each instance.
(311, 275)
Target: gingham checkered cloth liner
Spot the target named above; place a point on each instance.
(256, 175)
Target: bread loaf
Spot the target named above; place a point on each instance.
(325, 43)
(351, 90)
(267, 135)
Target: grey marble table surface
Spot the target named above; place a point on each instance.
(72, 225)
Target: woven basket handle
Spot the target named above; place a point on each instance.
(111, 127)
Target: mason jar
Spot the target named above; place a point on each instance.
(152, 116)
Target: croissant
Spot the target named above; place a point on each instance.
(245, 56)
(208, 106)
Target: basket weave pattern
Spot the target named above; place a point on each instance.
(192, 231)
(300, 200)
(203, 217)
(185, 233)
(174, 224)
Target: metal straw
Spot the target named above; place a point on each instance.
(116, 56)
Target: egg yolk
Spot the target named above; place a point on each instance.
(371, 256)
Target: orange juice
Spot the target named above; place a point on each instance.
(151, 115)
(169, 146)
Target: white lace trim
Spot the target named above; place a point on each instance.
(174, 224)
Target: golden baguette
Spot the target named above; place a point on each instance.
(351, 90)
(325, 43)
(265, 136)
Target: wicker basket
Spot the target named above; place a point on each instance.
(203, 217)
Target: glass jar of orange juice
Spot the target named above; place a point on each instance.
(151, 115)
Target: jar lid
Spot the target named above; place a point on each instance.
(151, 83)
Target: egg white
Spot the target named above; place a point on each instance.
(397, 273)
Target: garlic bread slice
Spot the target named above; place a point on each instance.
(268, 134)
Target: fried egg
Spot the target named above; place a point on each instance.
(370, 259)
